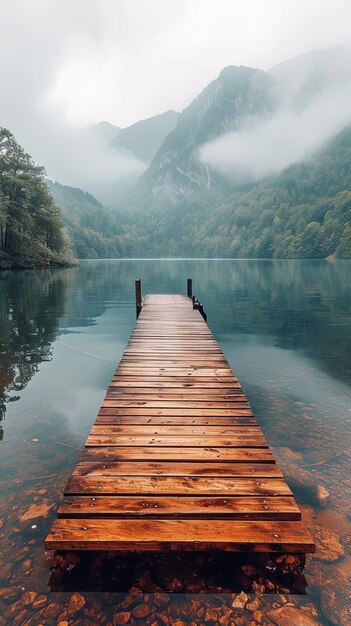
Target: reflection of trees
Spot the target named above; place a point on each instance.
(301, 304)
(31, 304)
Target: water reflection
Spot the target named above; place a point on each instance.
(304, 305)
(31, 304)
(286, 329)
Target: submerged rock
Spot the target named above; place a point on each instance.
(290, 563)
(240, 601)
(336, 602)
(33, 520)
(142, 610)
(303, 481)
(122, 618)
(289, 615)
(328, 546)
(323, 496)
(76, 603)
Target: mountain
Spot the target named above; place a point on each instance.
(296, 116)
(104, 132)
(304, 212)
(94, 230)
(310, 74)
(144, 138)
(238, 98)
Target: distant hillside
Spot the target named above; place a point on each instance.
(144, 138)
(304, 212)
(94, 229)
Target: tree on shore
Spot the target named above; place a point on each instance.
(31, 230)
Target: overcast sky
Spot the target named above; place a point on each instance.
(67, 63)
(122, 60)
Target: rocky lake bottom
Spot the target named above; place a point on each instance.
(285, 328)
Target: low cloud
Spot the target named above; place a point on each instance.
(78, 157)
(312, 111)
(34, 46)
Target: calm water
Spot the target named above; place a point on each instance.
(285, 327)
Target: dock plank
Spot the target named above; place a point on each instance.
(234, 507)
(171, 468)
(105, 484)
(180, 534)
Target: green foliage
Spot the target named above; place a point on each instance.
(31, 231)
(303, 212)
(94, 230)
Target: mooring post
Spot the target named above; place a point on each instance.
(138, 299)
(190, 287)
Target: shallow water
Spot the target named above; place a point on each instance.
(285, 327)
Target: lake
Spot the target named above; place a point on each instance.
(285, 327)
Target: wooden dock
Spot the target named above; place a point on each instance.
(175, 459)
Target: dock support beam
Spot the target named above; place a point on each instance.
(138, 298)
(189, 284)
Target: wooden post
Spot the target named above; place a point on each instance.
(138, 299)
(201, 309)
(190, 287)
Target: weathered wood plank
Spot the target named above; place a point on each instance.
(234, 441)
(169, 403)
(185, 393)
(139, 420)
(158, 453)
(179, 431)
(187, 411)
(156, 535)
(171, 468)
(234, 507)
(166, 485)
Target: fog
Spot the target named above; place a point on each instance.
(66, 64)
(315, 104)
(33, 49)
(78, 157)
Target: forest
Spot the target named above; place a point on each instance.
(303, 212)
(32, 233)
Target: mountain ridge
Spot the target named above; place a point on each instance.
(144, 137)
(236, 95)
(183, 205)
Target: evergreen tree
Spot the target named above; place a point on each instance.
(31, 230)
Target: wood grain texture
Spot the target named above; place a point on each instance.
(232, 507)
(175, 459)
(180, 534)
(198, 454)
(177, 485)
(179, 468)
